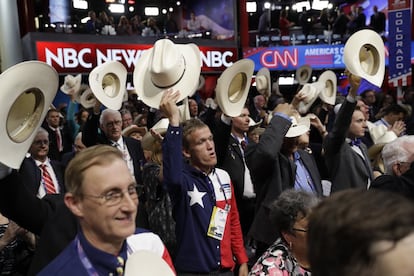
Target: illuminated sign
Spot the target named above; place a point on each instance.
(83, 57)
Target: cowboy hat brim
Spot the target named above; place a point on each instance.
(329, 81)
(233, 87)
(303, 74)
(72, 90)
(108, 83)
(150, 93)
(299, 127)
(266, 90)
(161, 127)
(311, 90)
(28, 90)
(364, 56)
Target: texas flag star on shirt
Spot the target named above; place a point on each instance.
(196, 197)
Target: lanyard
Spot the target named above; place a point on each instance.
(85, 260)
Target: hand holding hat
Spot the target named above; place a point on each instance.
(169, 107)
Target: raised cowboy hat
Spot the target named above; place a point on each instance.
(364, 56)
(71, 84)
(298, 127)
(160, 127)
(329, 85)
(303, 74)
(233, 87)
(28, 89)
(167, 65)
(147, 263)
(108, 83)
(310, 91)
(85, 96)
(264, 82)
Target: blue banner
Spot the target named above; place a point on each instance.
(319, 57)
(399, 38)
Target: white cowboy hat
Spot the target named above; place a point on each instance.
(298, 127)
(108, 83)
(329, 81)
(303, 74)
(184, 111)
(380, 136)
(28, 89)
(71, 84)
(253, 123)
(364, 56)
(264, 82)
(233, 87)
(311, 92)
(161, 127)
(147, 263)
(85, 96)
(167, 65)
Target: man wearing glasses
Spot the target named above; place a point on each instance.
(92, 230)
(41, 174)
(109, 122)
(105, 205)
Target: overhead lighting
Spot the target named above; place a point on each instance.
(319, 5)
(300, 5)
(178, 3)
(164, 11)
(267, 5)
(80, 4)
(131, 9)
(170, 9)
(152, 11)
(251, 6)
(116, 8)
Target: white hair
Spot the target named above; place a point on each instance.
(399, 150)
(108, 112)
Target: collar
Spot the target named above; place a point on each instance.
(38, 163)
(103, 262)
(353, 142)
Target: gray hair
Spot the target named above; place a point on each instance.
(108, 112)
(291, 203)
(399, 150)
(42, 130)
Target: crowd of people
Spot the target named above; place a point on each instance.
(260, 184)
(329, 23)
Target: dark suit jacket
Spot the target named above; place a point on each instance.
(91, 136)
(67, 142)
(33, 175)
(347, 169)
(403, 184)
(272, 172)
(230, 157)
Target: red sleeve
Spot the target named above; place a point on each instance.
(237, 244)
(167, 258)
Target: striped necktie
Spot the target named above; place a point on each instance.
(47, 180)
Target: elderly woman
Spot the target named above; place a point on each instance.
(288, 254)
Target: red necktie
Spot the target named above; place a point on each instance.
(47, 180)
(58, 140)
(243, 145)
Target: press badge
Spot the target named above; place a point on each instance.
(217, 223)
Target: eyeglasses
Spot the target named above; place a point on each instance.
(41, 142)
(300, 230)
(114, 123)
(114, 197)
